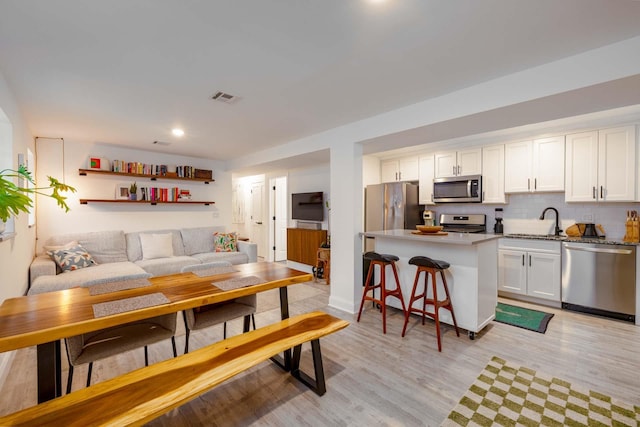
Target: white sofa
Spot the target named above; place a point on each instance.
(119, 256)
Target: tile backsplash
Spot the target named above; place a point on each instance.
(523, 210)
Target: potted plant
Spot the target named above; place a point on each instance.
(16, 198)
(133, 191)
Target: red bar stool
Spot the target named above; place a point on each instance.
(430, 267)
(382, 261)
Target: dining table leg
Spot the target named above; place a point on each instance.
(49, 371)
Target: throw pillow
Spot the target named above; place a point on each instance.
(156, 245)
(71, 257)
(225, 242)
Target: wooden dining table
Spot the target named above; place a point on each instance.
(44, 319)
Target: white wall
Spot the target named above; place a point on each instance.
(64, 158)
(310, 180)
(15, 254)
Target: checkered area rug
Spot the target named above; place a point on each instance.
(508, 395)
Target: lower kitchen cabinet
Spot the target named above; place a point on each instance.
(529, 267)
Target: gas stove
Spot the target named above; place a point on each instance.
(463, 223)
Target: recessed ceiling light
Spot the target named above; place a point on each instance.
(177, 132)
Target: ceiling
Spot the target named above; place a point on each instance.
(126, 72)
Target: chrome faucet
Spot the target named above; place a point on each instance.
(557, 231)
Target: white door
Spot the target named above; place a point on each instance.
(616, 164)
(512, 272)
(543, 277)
(280, 232)
(408, 169)
(445, 164)
(469, 162)
(517, 167)
(548, 164)
(389, 171)
(425, 182)
(257, 223)
(581, 167)
(493, 174)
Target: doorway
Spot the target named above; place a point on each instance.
(278, 224)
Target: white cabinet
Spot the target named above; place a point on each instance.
(529, 267)
(399, 170)
(425, 181)
(458, 163)
(493, 174)
(601, 166)
(535, 166)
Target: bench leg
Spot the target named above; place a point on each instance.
(318, 384)
(284, 363)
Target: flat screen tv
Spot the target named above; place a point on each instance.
(307, 206)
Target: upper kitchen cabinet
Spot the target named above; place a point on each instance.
(601, 166)
(425, 183)
(458, 163)
(399, 170)
(535, 166)
(493, 174)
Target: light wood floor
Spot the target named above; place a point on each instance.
(375, 379)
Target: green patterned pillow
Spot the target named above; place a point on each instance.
(71, 258)
(225, 242)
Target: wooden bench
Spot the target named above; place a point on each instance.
(144, 394)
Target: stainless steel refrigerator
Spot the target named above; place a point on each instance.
(390, 206)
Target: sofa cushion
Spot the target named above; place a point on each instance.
(225, 242)
(232, 257)
(71, 257)
(197, 240)
(87, 276)
(163, 266)
(156, 245)
(134, 247)
(104, 246)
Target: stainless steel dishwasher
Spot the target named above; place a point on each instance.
(599, 279)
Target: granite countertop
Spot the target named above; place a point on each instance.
(601, 241)
(449, 238)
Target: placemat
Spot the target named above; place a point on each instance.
(120, 285)
(238, 282)
(214, 270)
(129, 304)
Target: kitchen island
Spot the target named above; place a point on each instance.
(472, 278)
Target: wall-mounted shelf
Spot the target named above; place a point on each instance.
(84, 172)
(146, 202)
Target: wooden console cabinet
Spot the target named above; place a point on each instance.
(303, 244)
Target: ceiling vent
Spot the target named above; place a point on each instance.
(161, 143)
(224, 97)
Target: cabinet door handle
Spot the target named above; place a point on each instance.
(601, 192)
(523, 260)
(483, 196)
(535, 183)
(459, 169)
(594, 193)
(399, 176)
(528, 183)
(529, 260)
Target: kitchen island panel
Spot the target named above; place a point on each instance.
(471, 278)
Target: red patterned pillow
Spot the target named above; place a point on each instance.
(225, 242)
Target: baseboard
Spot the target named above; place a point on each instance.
(5, 363)
(342, 305)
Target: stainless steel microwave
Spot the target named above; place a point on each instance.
(458, 189)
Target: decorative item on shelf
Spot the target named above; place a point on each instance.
(99, 163)
(203, 173)
(133, 192)
(122, 192)
(19, 198)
